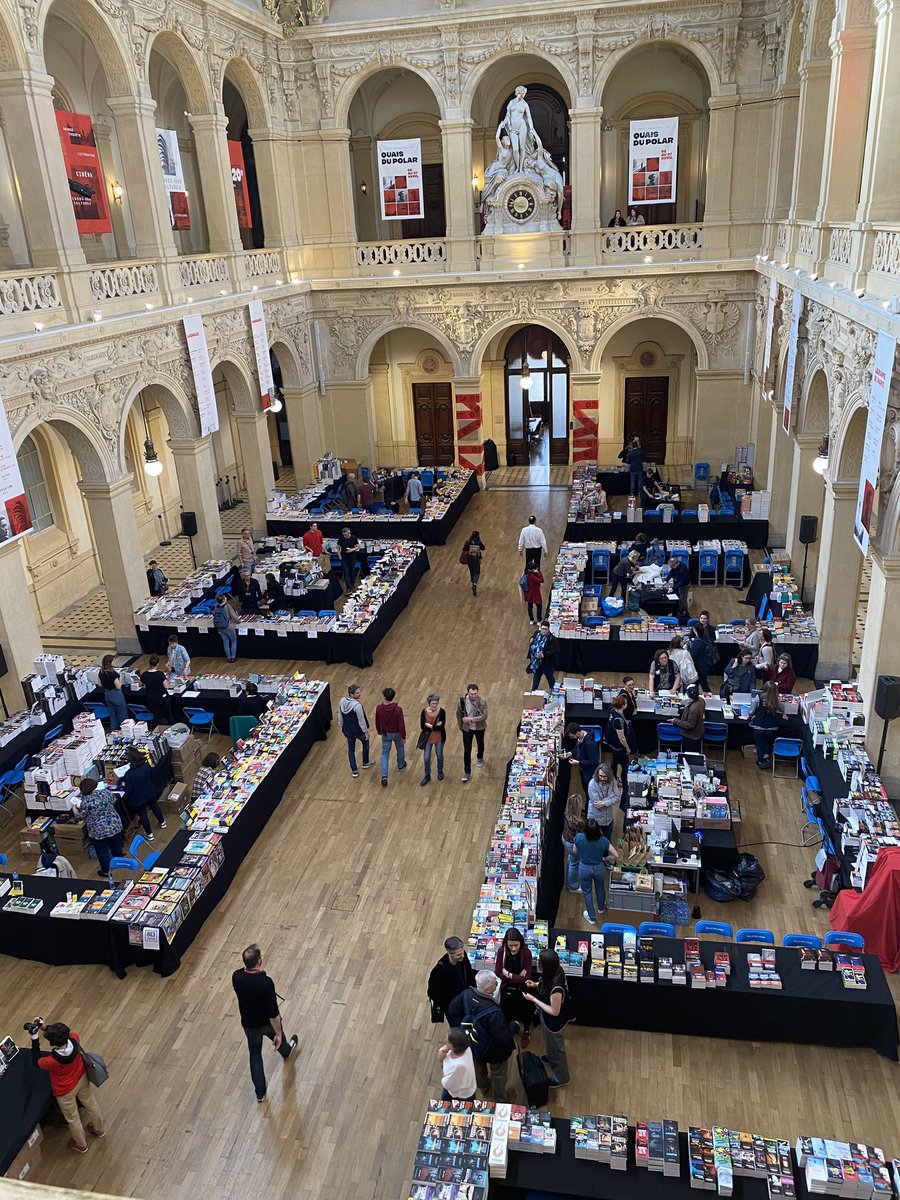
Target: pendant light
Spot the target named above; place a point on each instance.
(820, 462)
(526, 378)
(152, 465)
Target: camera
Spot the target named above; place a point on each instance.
(34, 1026)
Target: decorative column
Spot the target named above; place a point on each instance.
(837, 580)
(848, 108)
(469, 427)
(259, 477)
(881, 656)
(302, 409)
(719, 157)
(780, 477)
(456, 139)
(271, 149)
(586, 126)
(805, 500)
(585, 392)
(20, 638)
(32, 137)
(214, 168)
(118, 547)
(195, 466)
(813, 111)
(144, 192)
(117, 212)
(881, 166)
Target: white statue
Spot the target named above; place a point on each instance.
(523, 188)
(499, 170)
(517, 124)
(545, 167)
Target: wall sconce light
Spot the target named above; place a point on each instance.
(364, 188)
(820, 462)
(117, 191)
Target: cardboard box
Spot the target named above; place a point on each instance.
(178, 794)
(749, 751)
(533, 700)
(72, 834)
(29, 1157)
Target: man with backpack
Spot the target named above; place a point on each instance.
(492, 1037)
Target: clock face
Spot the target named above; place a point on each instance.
(520, 204)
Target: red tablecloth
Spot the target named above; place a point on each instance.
(875, 913)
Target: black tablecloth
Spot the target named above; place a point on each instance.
(58, 941)
(813, 1007)
(24, 1100)
(834, 787)
(414, 529)
(586, 657)
(739, 732)
(754, 532)
(30, 741)
(358, 649)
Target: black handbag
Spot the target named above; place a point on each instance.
(421, 742)
(437, 1013)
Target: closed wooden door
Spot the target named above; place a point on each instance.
(433, 223)
(647, 414)
(433, 408)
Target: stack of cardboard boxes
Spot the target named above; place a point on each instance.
(186, 760)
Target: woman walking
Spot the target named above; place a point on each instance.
(532, 592)
(225, 623)
(593, 851)
(551, 997)
(470, 556)
(541, 657)
(573, 823)
(433, 723)
(140, 791)
(111, 682)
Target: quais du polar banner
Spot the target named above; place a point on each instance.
(261, 351)
(400, 179)
(15, 519)
(653, 158)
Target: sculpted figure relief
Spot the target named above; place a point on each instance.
(521, 156)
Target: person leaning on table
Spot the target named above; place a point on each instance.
(664, 675)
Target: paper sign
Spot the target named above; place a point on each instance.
(150, 937)
(653, 161)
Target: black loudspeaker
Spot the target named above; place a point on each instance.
(809, 530)
(189, 524)
(887, 697)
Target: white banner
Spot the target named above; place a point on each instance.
(400, 179)
(173, 177)
(261, 350)
(203, 380)
(653, 159)
(15, 518)
(882, 369)
(770, 326)
(790, 366)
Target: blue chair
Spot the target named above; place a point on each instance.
(708, 568)
(667, 735)
(3, 860)
(327, 612)
(653, 516)
(811, 780)
(805, 941)
(693, 622)
(734, 569)
(199, 718)
(100, 711)
(701, 472)
(613, 927)
(690, 514)
(787, 749)
(656, 929)
(764, 609)
(141, 713)
(136, 851)
(716, 734)
(756, 935)
(306, 612)
(737, 624)
(719, 928)
(632, 621)
(669, 622)
(682, 556)
(594, 622)
(812, 826)
(11, 779)
(428, 481)
(593, 589)
(49, 736)
(840, 937)
(124, 863)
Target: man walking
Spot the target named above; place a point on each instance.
(532, 543)
(390, 724)
(354, 726)
(350, 548)
(680, 583)
(471, 717)
(68, 1080)
(415, 491)
(258, 1006)
(478, 1013)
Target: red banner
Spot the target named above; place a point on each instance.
(584, 434)
(239, 182)
(86, 184)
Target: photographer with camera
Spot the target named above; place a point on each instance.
(68, 1079)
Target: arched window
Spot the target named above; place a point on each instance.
(32, 471)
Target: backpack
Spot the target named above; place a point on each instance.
(610, 737)
(474, 551)
(475, 1026)
(220, 617)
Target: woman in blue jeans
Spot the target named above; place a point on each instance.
(113, 697)
(433, 723)
(573, 824)
(593, 851)
(225, 622)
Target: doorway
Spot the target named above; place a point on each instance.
(537, 397)
(647, 414)
(433, 408)
(434, 222)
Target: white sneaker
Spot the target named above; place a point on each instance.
(531, 622)
(587, 918)
(465, 778)
(479, 762)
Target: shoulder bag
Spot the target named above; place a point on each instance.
(95, 1068)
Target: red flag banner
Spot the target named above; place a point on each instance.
(87, 187)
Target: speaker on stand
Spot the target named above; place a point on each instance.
(809, 532)
(887, 706)
(164, 539)
(189, 529)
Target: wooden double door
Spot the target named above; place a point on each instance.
(433, 408)
(647, 414)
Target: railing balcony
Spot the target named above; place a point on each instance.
(402, 257)
(654, 243)
(262, 267)
(29, 299)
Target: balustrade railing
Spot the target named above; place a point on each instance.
(261, 262)
(195, 272)
(404, 253)
(781, 237)
(133, 279)
(806, 239)
(886, 252)
(649, 239)
(28, 293)
(840, 246)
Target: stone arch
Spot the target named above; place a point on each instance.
(121, 76)
(79, 435)
(178, 410)
(11, 57)
(450, 350)
(697, 50)
(189, 70)
(292, 372)
(849, 439)
(510, 323)
(658, 314)
(239, 73)
(557, 66)
(352, 85)
(812, 412)
(240, 382)
(794, 51)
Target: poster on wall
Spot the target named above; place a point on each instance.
(86, 184)
(239, 183)
(203, 380)
(653, 158)
(261, 350)
(400, 179)
(15, 519)
(882, 369)
(790, 366)
(770, 326)
(173, 177)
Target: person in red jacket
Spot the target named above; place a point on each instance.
(533, 581)
(313, 540)
(513, 967)
(68, 1080)
(390, 724)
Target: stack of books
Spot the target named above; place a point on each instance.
(763, 973)
(837, 1168)
(602, 1139)
(656, 1146)
(852, 971)
(454, 1147)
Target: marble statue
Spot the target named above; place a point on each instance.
(523, 188)
(518, 126)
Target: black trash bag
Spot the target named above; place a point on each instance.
(721, 887)
(749, 875)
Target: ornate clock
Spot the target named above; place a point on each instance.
(520, 204)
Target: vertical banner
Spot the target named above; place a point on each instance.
(203, 380)
(86, 185)
(239, 183)
(261, 350)
(653, 158)
(15, 519)
(790, 366)
(585, 432)
(770, 326)
(882, 369)
(400, 179)
(173, 177)
(469, 446)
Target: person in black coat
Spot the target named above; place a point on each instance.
(493, 1030)
(140, 792)
(705, 654)
(252, 704)
(450, 976)
(248, 593)
(680, 583)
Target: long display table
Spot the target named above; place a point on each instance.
(59, 942)
(813, 1007)
(24, 1100)
(585, 656)
(411, 528)
(29, 741)
(358, 649)
(745, 529)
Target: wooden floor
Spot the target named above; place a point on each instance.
(351, 890)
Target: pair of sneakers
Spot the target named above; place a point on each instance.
(293, 1046)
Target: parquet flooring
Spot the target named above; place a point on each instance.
(351, 890)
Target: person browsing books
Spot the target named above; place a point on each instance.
(178, 658)
(450, 976)
(491, 1035)
(252, 704)
(350, 550)
(113, 697)
(550, 996)
(156, 694)
(156, 580)
(140, 791)
(260, 1016)
(204, 777)
(313, 540)
(604, 793)
(104, 825)
(593, 850)
(68, 1081)
(542, 651)
(513, 967)
(457, 1067)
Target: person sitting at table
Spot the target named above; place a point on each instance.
(664, 676)
(691, 720)
(739, 674)
(313, 540)
(155, 694)
(205, 776)
(248, 593)
(653, 471)
(624, 571)
(714, 494)
(252, 704)
(766, 714)
(783, 674)
(650, 490)
(140, 791)
(630, 695)
(53, 864)
(765, 658)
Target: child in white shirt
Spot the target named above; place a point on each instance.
(457, 1067)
